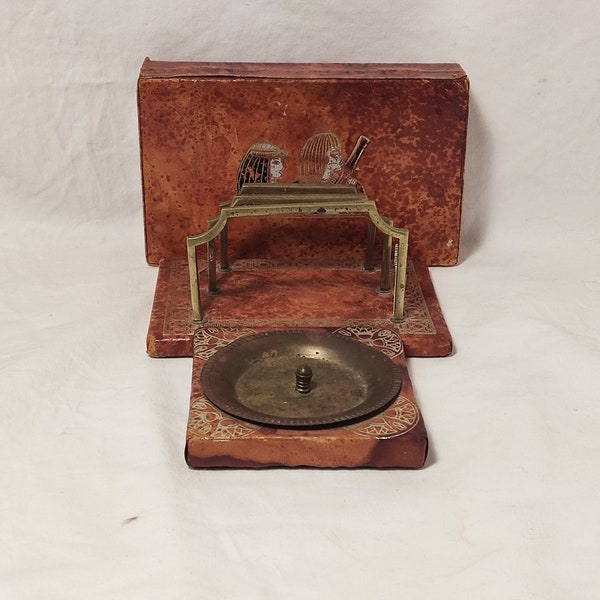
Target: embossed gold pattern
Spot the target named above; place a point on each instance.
(209, 422)
(397, 420)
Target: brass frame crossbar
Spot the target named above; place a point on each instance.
(258, 200)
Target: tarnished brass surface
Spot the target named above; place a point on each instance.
(254, 378)
(300, 200)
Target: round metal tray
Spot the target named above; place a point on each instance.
(254, 378)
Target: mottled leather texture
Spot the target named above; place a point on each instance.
(394, 437)
(284, 296)
(197, 123)
(197, 120)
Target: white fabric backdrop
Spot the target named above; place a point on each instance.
(96, 500)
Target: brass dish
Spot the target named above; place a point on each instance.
(301, 379)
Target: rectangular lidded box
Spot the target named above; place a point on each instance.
(197, 120)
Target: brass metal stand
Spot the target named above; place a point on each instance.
(302, 200)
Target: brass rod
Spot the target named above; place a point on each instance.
(194, 283)
(292, 189)
(370, 249)
(385, 282)
(211, 261)
(400, 259)
(224, 249)
(212, 267)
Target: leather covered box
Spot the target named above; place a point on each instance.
(395, 133)
(199, 123)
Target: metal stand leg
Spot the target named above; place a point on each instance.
(385, 283)
(224, 250)
(197, 316)
(400, 260)
(370, 249)
(212, 267)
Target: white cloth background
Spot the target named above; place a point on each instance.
(96, 501)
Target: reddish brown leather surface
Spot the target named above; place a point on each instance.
(260, 294)
(395, 437)
(197, 120)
